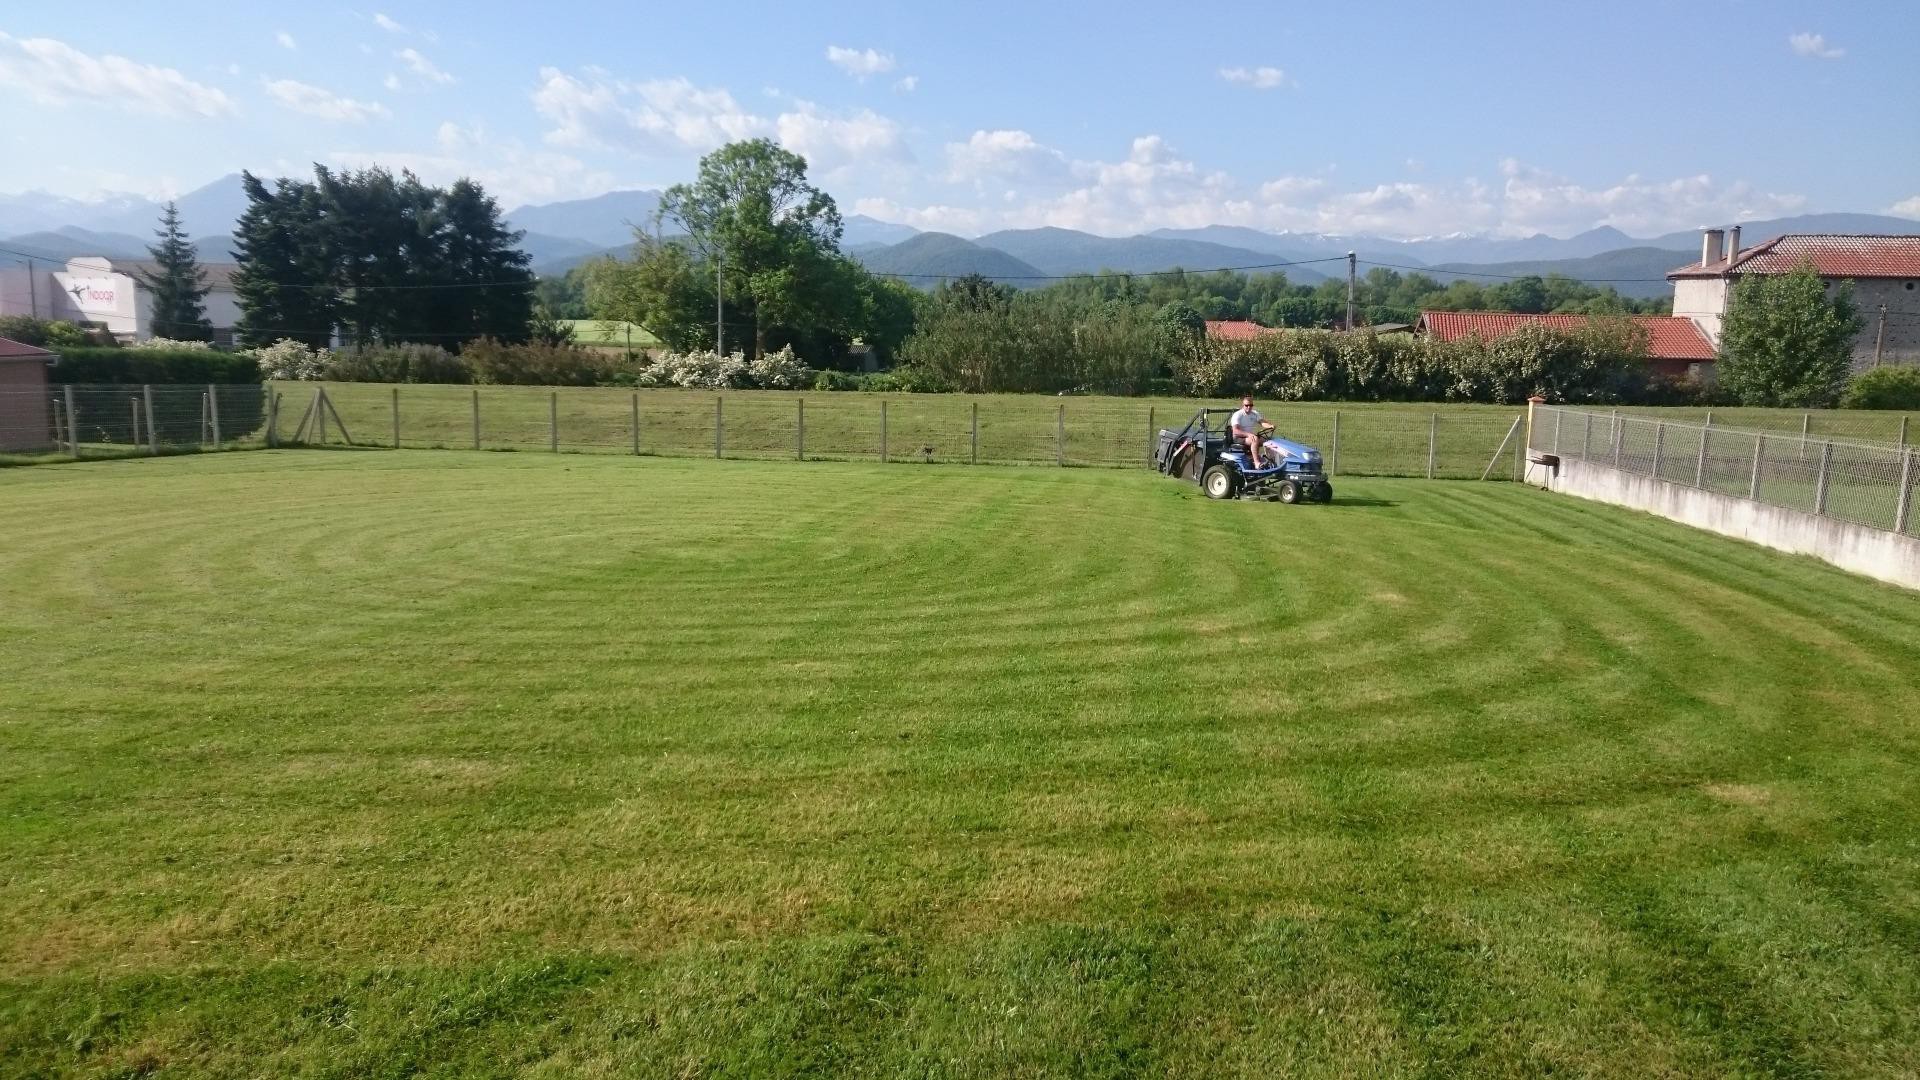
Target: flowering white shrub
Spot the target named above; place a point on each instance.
(170, 344)
(780, 371)
(708, 371)
(290, 359)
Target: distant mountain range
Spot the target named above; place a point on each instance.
(561, 235)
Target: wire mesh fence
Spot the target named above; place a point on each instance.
(1403, 440)
(1866, 483)
(63, 422)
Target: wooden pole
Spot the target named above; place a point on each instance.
(213, 414)
(273, 418)
(883, 430)
(320, 412)
(1433, 442)
(133, 406)
(1903, 432)
(635, 422)
(1333, 463)
(1806, 424)
(1903, 507)
(203, 419)
(800, 429)
(153, 436)
(1820, 485)
(1153, 437)
(476, 419)
(1700, 465)
(1586, 439)
(974, 434)
(396, 418)
(1759, 455)
(1659, 445)
(719, 429)
(553, 421)
(73, 424)
(1060, 435)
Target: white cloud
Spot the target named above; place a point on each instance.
(907, 84)
(1909, 208)
(1815, 45)
(286, 40)
(422, 68)
(382, 21)
(668, 117)
(959, 220)
(511, 172)
(860, 63)
(1260, 78)
(315, 101)
(1004, 154)
(54, 73)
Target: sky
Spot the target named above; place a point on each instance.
(1403, 120)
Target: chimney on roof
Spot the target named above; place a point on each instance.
(1710, 247)
(1733, 243)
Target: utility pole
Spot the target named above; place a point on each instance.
(1350, 268)
(719, 307)
(33, 293)
(1880, 335)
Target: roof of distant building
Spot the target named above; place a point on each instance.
(1669, 337)
(215, 275)
(1237, 330)
(1833, 255)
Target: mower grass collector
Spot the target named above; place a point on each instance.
(1288, 472)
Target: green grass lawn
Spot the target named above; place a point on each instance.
(376, 764)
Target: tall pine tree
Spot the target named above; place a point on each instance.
(477, 250)
(177, 284)
(283, 284)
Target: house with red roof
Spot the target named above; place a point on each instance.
(25, 409)
(1675, 346)
(1237, 330)
(1885, 271)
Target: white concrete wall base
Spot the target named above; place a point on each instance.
(1876, 553)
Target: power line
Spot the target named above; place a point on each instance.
(1433, 270)
(1115, 273)
(108, 268)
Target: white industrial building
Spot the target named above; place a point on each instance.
(1884, 270)
(109, 294)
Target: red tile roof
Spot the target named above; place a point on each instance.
(1669, 337)
(20, 350)
(1833, 256)
(1232, 330)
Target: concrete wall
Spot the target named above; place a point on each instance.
(1874, 552)
(1704, 300)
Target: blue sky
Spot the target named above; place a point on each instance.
(1400, 119)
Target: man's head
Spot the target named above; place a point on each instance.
(1246, 402)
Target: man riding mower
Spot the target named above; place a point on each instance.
(1245, 458)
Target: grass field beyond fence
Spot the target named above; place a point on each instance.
(358, 764)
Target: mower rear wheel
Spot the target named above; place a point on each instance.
(1289, 491)
(1219, 482)
(1325, 493)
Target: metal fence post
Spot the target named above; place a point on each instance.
(634, 423)
(213, 412)
(1060, 436)
(1903, 507)
(1333, 462)
(1806, 424)
(1903, 431)
(1586, 439)
(800, 429)
(73, 424)
(1759, 456)
(1433, 442)
(476, 419)
(1153, 438)
(273, 417)
(133, 408)
(1700, 466)
(1820, 485)
(1659, 445)
(1619, 437)
(203, 419)
(553, 421)
(719, 427)
(1558, 415)
(974, 435)
(883, 429)
(153, 437)
(396, 418)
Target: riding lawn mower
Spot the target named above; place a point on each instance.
(1287, 472)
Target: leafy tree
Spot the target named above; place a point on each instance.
(545, 329)
(178, 285)
(1884, 388)
(467, 245)
(1180, 322)
(1786, 342)
(974, 292)
(662, 289)
(283, 283)
(752, 209)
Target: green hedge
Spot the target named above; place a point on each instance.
(176, 367)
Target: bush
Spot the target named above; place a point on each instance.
(51, 333)
(288, 359)
(706, 371)
(1883, 388)
(501, 364)
(404, 363)
(98, 365)
(779, 371)
(837, 380)
(170, 344)
(904, 380)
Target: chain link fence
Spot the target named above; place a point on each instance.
(1866, 483)
(1462, 442)
(63, 422)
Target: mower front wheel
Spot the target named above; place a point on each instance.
(1219, 482)
(1289, 491)
(1324, 493)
